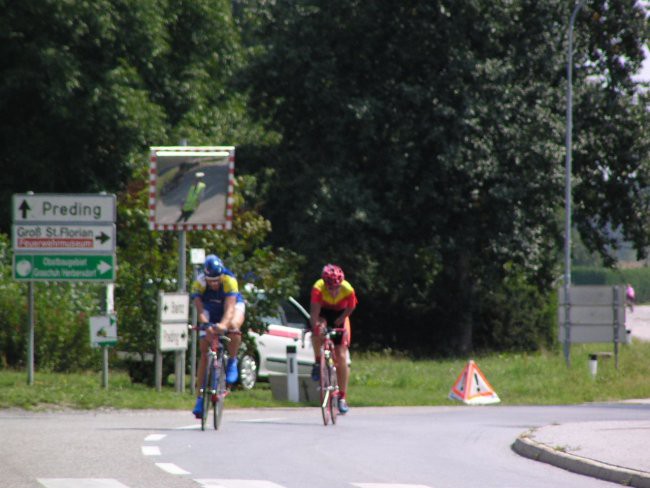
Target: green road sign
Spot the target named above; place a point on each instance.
(64, 267)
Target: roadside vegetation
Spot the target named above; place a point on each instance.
(377, 379)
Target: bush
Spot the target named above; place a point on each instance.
(61, 321)
(517, 317)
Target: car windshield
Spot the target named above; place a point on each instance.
(294, 317)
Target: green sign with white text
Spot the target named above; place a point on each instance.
(64, 267)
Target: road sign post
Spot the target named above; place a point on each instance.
(173, 311)
(62, 237)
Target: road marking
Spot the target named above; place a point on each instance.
(189, 427)
(171, 468)
(154, 437)
(387, 485)
(221, 483)
(80, 483)
(151, 450)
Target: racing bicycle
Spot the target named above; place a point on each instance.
(329, 387)
(214, 390)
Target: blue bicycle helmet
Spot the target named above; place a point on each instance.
(213, 267)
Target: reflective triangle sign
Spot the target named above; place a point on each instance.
(472, 387)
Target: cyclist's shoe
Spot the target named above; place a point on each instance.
(343, 406)
(315, 372)
(232, 373)
(198, 408)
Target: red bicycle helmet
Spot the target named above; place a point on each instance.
(332, 275)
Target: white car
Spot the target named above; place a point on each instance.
(288, 327)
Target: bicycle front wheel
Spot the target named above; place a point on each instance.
(221, 392)
(207, 394)
(325, 390)
(334, 395)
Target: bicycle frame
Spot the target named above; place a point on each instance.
(329, 388)
(214, 389)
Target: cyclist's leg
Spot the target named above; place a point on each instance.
(232, 373)
(342, 368)
(235, 326)
(317, 344)
(203, 360)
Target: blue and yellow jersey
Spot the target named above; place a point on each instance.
(344, 298)
(213, 300)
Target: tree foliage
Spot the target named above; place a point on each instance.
(423, 149)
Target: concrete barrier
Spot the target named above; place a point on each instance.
(308, 389)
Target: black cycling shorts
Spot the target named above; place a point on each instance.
(330, 316)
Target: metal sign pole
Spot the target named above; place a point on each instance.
(180, 355)
(30, 336)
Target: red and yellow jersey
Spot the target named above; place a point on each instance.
(345, 298)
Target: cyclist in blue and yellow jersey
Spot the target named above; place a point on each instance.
(332, 302)
(217, 300)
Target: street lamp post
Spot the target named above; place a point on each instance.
(567, 185)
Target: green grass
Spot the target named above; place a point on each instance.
(376, 380)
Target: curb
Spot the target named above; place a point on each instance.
(526, 447)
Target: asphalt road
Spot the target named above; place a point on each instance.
(423, 447)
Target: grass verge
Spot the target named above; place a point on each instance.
(375, 380)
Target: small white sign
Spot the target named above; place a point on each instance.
(197, 256)
(174, 307)
(103, 330)
(173, 337)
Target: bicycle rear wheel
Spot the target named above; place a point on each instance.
(325, 391)
(220, 396)
(207, 394)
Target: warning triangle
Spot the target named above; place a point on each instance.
(472, 387)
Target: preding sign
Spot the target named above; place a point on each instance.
(63, 238)
(89, 208)
(64, 267)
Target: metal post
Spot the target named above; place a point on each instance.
(180, 355)
(293, 394)
(567, 178)
(616, 305)
(30, 334)
(193, 338)
(110, 288)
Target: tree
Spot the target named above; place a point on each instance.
(423, 149)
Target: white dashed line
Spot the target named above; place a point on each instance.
(171, 468)
(151, 450)
(154, 437)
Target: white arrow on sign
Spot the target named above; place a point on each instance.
(103, 267)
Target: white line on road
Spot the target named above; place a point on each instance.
(171, 468)
(154, 437)
(151, 450)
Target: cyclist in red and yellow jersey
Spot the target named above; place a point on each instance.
(332, 302)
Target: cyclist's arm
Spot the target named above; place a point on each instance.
(314, 314)
(200, 311)
(228, 312)
(346, 313)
